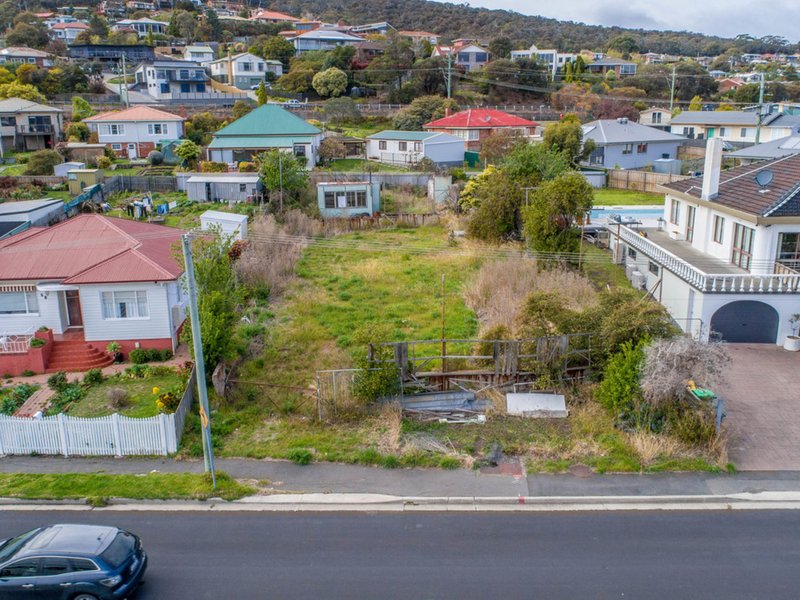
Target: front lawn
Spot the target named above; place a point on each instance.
(142, 401)
(609, 197)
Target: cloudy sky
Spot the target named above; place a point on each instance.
(718, 17)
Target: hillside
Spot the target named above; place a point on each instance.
(458, 20)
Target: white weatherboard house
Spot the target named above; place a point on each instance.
(726, 261)
(135, 132)
(410, 147)
(734, 126)
(244, 70)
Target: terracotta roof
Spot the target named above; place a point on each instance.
(136, 113)
(92, 249)
(738, 188)
(477, 118)
(70, 26)
(275, 16)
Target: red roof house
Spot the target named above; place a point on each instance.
(476, 124)
(93, 279)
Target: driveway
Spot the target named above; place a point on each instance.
(763, 406)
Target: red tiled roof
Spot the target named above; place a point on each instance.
(275, 16)
(92, 249)
(70, 26)
(136, 113)
(479, 118)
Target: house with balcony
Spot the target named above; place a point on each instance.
(112, 53)
(725, 257)
(737, 127)
(466, 55)
(323, 39)
(410, 147)
(135, 132)
(244, 70)
(554, 60)
(142, 27)
(171, 79)
(622, 68)
(27, 125)
(67, 32)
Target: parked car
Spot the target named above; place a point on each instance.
(72, 562)
(292, 102)
(267, 85)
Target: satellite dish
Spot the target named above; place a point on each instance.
(764, 178)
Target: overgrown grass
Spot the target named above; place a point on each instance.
(611, 197)
(358, 165)
(97, 486)
(142, 401)
(600, 269)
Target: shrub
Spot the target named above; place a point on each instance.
(43, 328)
(93, 377)
(619, 391)
(38, 343)
(300, 456)
(208, 166)
(28, 373)
(42, 162)
(167, 402)
(57, 381)
(140, 356)
(248, 167)
(113, 347)
(118, 398)
(155, 158)
(137, 371)
(103, 162)
(693, 426)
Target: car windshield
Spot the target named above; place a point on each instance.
(9, 549)
(119, 550)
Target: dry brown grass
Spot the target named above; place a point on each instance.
(390, 418)
(498, 292)
(650, 447)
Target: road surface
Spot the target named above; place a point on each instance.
(650, 555)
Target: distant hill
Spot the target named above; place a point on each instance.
(458, 20)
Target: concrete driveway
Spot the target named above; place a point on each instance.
(763, 406)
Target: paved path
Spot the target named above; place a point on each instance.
(38, 402)
(763, 406)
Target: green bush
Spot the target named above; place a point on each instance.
(57, 381)
(42, 162)
(103, 162)
(37, 343)
(300, 456)
(137, 371)
(28, 373)
(693, 426)
(93, 377)
(140, 356)
(208, 166)
(620, 385)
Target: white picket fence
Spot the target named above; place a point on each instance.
(114, 435)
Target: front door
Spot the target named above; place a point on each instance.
(132, 151)
(74, 316)
(690, 224)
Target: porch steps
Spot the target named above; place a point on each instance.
(76, 355)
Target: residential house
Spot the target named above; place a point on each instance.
(382, 28)
(200, 54)
(417, 37)
(476, 124)
(554, 60)
(657, 117)
(622, 68)
(367, 51)
(223, 187)
(410, 147)
(767, 150)
(271, 16)
(67, 32)
(467, 56)
(267, 127)
(623, 144)
(323, 39)
(143, 27)
(244, 70)
(136, 131)
(112, 53)
(726, 262)
(730, 83)
(302, 27)
(734, 126)
(343, 199)
(27, 125)
(169, 79)
(25, 55)
(91, 279)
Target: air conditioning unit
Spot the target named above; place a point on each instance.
(676, 235)
(630, 271)
(638, 280)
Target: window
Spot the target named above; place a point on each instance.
(481, 57)
(8, 121)
(346, 199)
(627, 70)
(742, 254)
(159, 74)
(53, 565)
(743, 132)
(674, 212)
(417, 146)
(119, 550)
(185, 88)
(184, 73)
(719, 229)
(641, 149)
(690, 214)
(631, 253)
(19, 303)
(789, 249)
(688, 132)
(82, 564)
(261, 67)
(653, 268)
(299, 150)
(165, 88)
(28, 567)
(721, 132)
(657, 118)
(116, 146)
(463, 57)
(627, 149)
(125, 305)
(382, 145)
(115, 129)
(247, 67)
(157, 129)
(402, 146)
(242, 187)
(201, 87)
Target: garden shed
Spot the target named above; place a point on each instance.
(228, 223)
(348, 198)
(222, 187)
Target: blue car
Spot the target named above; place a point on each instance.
(71, 562)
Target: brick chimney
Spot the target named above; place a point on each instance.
(447, 111)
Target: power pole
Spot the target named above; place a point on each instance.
(450, 72)
(199, 360)
(672, 90)
(280, 175)
(124, 82)
(760, 107)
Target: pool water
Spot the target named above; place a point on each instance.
(627, 212)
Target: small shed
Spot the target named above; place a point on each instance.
(348, 198)
(228, 223)
(64, 168)
(36, 212)
(222, 187)
(78, 179)
(83, 152)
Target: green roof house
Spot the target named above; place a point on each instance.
(267, 127)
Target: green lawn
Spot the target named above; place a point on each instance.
(142, 401)
(13, 170)
(358, 165)
(95, 486)
(598, 267)
(609, 197)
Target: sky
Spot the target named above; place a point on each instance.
(726, 18)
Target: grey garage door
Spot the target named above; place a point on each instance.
(746, 321)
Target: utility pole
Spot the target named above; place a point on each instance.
(760, 107)
(672, 90)
(124, 85)
(444, 343)
(280, 175)
(450, 72)
(199, 360)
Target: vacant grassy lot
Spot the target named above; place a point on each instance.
(358, 165)
(95, 487)
(609, 197)
(141, 400)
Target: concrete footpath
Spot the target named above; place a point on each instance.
(285, 477)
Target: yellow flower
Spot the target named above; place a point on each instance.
(156, 391)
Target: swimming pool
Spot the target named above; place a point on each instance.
(638, 213)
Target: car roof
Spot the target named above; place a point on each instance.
(89, 540)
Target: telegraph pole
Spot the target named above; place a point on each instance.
(450, 72)
(199, 360)
(672, 90)
(124, 85)
(760, 107)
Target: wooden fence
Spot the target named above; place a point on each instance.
(113, 435)
(393, 179)
(43, 180)
(640, 181)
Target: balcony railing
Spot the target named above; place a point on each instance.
(35, 129)
(175, 76)
(15, 343)
(782, 281)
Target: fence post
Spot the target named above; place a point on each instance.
(162, 422)
(117, 433)
(2, 450)
(62, 433)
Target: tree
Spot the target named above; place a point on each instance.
(624, 44)
(342, 110)
(98, 26)
(213, 22)
(42, 162)
(200, 126)
(276, 48)
(553, 211)
(282, 172)
(566, 137)
(78, 132)
(331, 82)
(188, 152)
(499, 145)
(21, 90)
(500, 47)
(422, 110)
(261, 94)
(6, 76)
(33, 36)
(81, 109)
(331, 148)
(426, 76)
(299, 78)
(696, 104)
(496, 218)
(531, 164)
(241, 108)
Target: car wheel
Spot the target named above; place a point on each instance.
(84, 597)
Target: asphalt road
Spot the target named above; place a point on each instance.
(650, 555)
